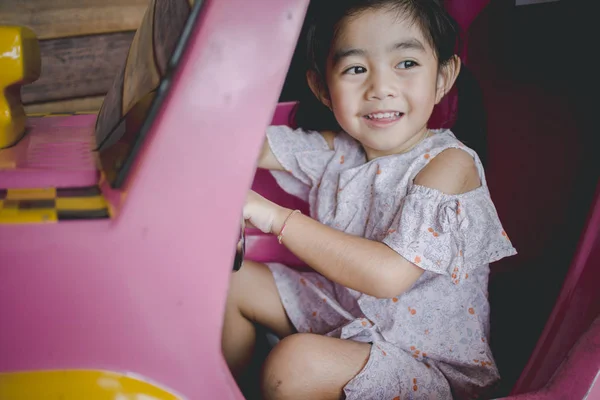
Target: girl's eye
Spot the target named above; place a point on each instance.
(407, 64)
(355, 70)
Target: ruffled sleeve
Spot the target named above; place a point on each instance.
(448, 234)
(303, 154)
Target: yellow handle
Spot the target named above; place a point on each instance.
(20, 63)
(73, 384)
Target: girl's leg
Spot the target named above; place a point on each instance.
(252, 298)
(308, 366)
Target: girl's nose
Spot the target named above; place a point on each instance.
(381, 87)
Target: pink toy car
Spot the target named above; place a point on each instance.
(118, 231)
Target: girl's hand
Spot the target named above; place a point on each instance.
(262, 213)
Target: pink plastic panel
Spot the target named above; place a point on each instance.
(594, 392)
(56, 152)
(577, 377)
(577, 306)
(145, 293)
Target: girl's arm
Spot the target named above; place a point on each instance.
(267, 160)
(364, 265)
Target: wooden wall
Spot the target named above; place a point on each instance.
(82, 43)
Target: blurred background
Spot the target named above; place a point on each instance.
(83, 43)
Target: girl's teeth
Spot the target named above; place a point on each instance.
(383, 115)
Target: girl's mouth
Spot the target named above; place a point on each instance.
(383, 119)
(387, 115)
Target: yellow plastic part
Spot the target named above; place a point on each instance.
(31, 194)
(20, 63)
(11, 214)
(44, 205)
(81, 203)
(78, 385)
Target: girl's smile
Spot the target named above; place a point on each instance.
(383, 119)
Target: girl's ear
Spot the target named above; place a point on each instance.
(446, 77)
(318, 88)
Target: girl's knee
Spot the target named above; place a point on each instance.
(287, 369)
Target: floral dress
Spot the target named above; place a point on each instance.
(431, 342)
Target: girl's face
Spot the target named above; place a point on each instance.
(383, 81)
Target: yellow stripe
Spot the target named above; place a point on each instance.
(77, 385)
(59, 115)
(80, 203)
(86, 112)
(34, 216)
(31, 194)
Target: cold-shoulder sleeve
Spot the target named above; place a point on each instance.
(303, 154)
(448, 234)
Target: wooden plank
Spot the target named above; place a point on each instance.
(78, 67)
(91, 104)
(51, 19)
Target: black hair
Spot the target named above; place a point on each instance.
(323, 22)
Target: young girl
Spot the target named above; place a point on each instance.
(401, 227)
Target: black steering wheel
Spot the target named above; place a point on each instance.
(240, 249)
